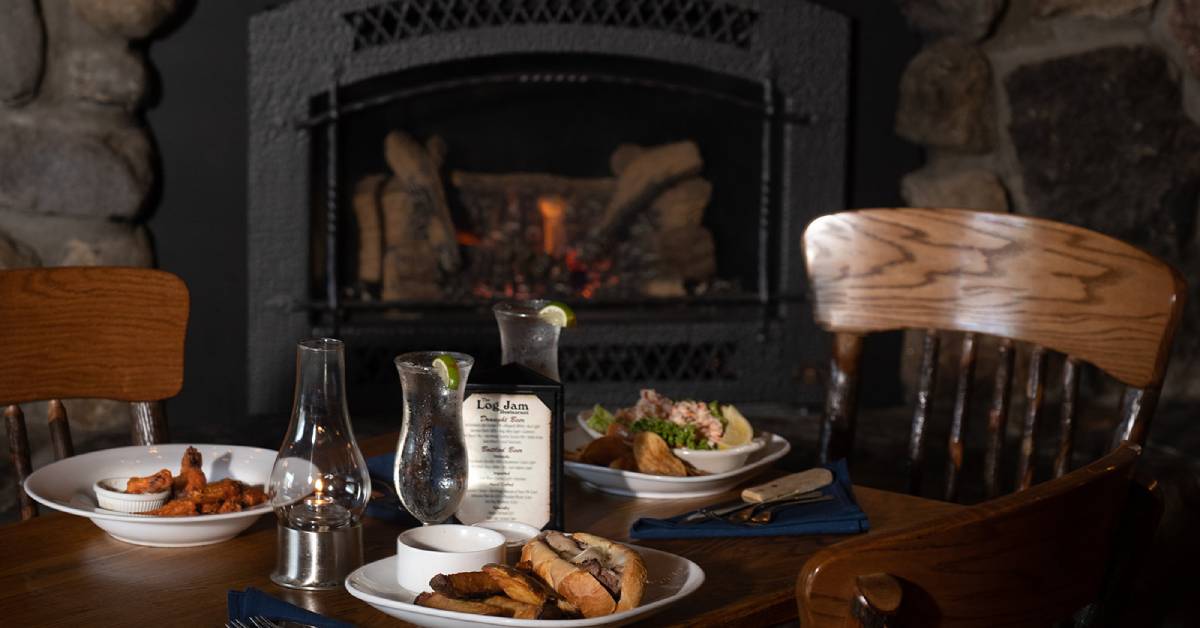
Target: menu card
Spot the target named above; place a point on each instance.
(512, 425)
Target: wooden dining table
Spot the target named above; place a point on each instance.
(61, 570)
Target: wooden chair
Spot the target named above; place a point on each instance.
(1031, 558)
(1056, 286)
(106, 333)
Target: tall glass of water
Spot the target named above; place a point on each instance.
(431, 458)
(527, 339)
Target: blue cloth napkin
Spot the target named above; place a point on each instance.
(386, 507)
(255, 603)
(841, 515)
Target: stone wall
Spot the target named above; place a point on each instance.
(1083, 111)
(76, 164)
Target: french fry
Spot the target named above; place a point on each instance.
(466, 584)
(441, 602)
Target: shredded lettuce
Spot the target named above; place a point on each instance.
(714, 408)
(600, 419)
(684, 436)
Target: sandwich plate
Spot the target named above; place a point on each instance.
(650, 486)
(670, 578)
(66, 485)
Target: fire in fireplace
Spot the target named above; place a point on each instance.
(651, 163)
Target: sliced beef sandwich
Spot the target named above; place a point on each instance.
(596, 575)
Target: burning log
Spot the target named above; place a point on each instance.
(370, 234)
(688, 252)
(419, 241)
(645, 177)
(683, 204)
(416, 174)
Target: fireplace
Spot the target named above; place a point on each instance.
(651, 163)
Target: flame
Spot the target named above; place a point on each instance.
(554, 226)
(466, 238)
(319, 485)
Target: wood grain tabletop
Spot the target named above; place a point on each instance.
(61, 570)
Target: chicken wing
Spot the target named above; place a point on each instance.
(156, 483)
(190, 477)
(175, 508)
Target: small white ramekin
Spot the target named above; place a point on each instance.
(110, 496)
(720, 460)
(424, 552)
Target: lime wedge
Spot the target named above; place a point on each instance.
(447, 368)
(558, 314)
(737, 429)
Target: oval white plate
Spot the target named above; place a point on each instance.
(670, 579)
(66, 485)
(649, 486)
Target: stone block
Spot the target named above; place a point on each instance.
(945, 93)
(107, 75)
(1102, 142)
(131, 19)
(55, 169)
(22, 46)
(14, 254)
(962, 189)
(1183, 24)
(965, 20)
(59, 241)
(1090, 8)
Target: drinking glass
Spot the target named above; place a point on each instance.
(527, 339)
(431, 458)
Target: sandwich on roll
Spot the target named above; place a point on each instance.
(596, 575)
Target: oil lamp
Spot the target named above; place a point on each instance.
(320, 484)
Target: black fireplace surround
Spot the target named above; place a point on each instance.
(315, 65)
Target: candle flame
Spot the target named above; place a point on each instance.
(319, 486)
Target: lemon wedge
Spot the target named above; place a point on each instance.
(738, 431)
(446, 368)
(558, 314)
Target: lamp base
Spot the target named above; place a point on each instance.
(314, 560)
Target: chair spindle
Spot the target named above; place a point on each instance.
(962, 408)
(1066, 422)
(148, 422)
(18, 448)
(1035, 390)
(922, 410)
(60, 431)
(837, 427)
(998, 416)
(1137, 407)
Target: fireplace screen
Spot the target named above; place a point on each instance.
(562, 180)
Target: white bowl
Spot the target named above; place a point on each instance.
(424, 552)
(111, 496)
(720, 460)
(712, 461)
(516, 535)
(67, 485)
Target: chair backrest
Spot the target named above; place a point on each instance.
(1056, 286)
(1027, 559)
(106, 333)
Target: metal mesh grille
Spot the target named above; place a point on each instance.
(599, 363)
(649, 362)
(709, 20)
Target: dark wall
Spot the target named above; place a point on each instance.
(198, 118)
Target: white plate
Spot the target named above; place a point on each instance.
(670, 579)
(646, 485)
(66, 485)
